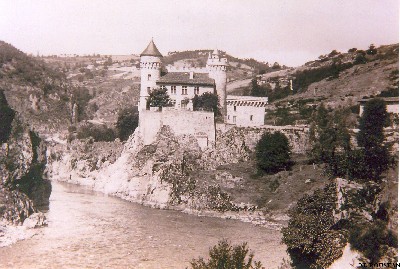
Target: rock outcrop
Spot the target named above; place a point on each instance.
(23, 187)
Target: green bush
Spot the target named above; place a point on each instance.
(273, 152)
(226, 256)
(208, 102)
(128, 121)
(371, 239)
(158, 98)
(97, 132)
(6, 118)
(311, 242)
(371, 138)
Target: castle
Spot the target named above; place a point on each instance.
(182, 86)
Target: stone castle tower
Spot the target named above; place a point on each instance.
(150, 72)
(217, 68)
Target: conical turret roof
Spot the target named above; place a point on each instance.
(151, 50)
(215, 52)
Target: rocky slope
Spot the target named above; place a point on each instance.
(23, 188)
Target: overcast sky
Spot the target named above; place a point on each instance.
(288, 31)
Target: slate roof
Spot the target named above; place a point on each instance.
(184, 78)
(151, 50)
(386, 99)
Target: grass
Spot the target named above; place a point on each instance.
(273, 193)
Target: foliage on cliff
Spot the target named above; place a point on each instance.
(227, 256)
(310, 237)
(128, 120)
(6, 118)
(22, 163)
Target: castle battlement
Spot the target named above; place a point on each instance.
(217, 61)
(172, 68)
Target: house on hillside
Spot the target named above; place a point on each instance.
(246, 111)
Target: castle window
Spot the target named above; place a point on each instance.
(251, 117)
(197, 90)
(228, 117)
(184, 90)
(234, 108)
(173, 89)
(148, 90)
(148, 77)
(163, 87)
(234, 119)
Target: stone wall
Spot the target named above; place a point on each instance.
(200, 124)
(298, 136)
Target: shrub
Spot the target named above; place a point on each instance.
(226, 256)
(371, 137)
(159, 98)
(310, 241)
(6, 118)
(371, 239)
(273, 152)
(97, 132)
(208, 102)
(128, 121)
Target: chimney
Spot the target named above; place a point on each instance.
(191, 74)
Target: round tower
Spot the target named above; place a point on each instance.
(217, 68)
(150, 71)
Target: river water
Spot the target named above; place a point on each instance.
(90, 230)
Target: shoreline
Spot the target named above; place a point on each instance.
(255, 217)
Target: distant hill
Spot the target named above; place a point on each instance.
(239, 68)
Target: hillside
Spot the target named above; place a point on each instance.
(348, 77)
(39, 93)
(339, 79)
(238, 68)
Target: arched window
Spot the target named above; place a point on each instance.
(148, 77)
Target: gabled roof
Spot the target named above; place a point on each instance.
(151, 50)
(184, 78)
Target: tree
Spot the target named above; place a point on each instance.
(208, 102)
(225, 256)
(372, 50)
(283, 116)
(329, 136)
(371, 137)
(159, 98)
(6, 118)
(128, 121)
(256, 90)
(311, 240)
(273, 152)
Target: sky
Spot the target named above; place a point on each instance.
(290, 32)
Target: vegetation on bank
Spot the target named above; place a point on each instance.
(227, 256)
(313, 237)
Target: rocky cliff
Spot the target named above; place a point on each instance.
(23, 187)
(164, 174)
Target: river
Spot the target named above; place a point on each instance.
(91, 230)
